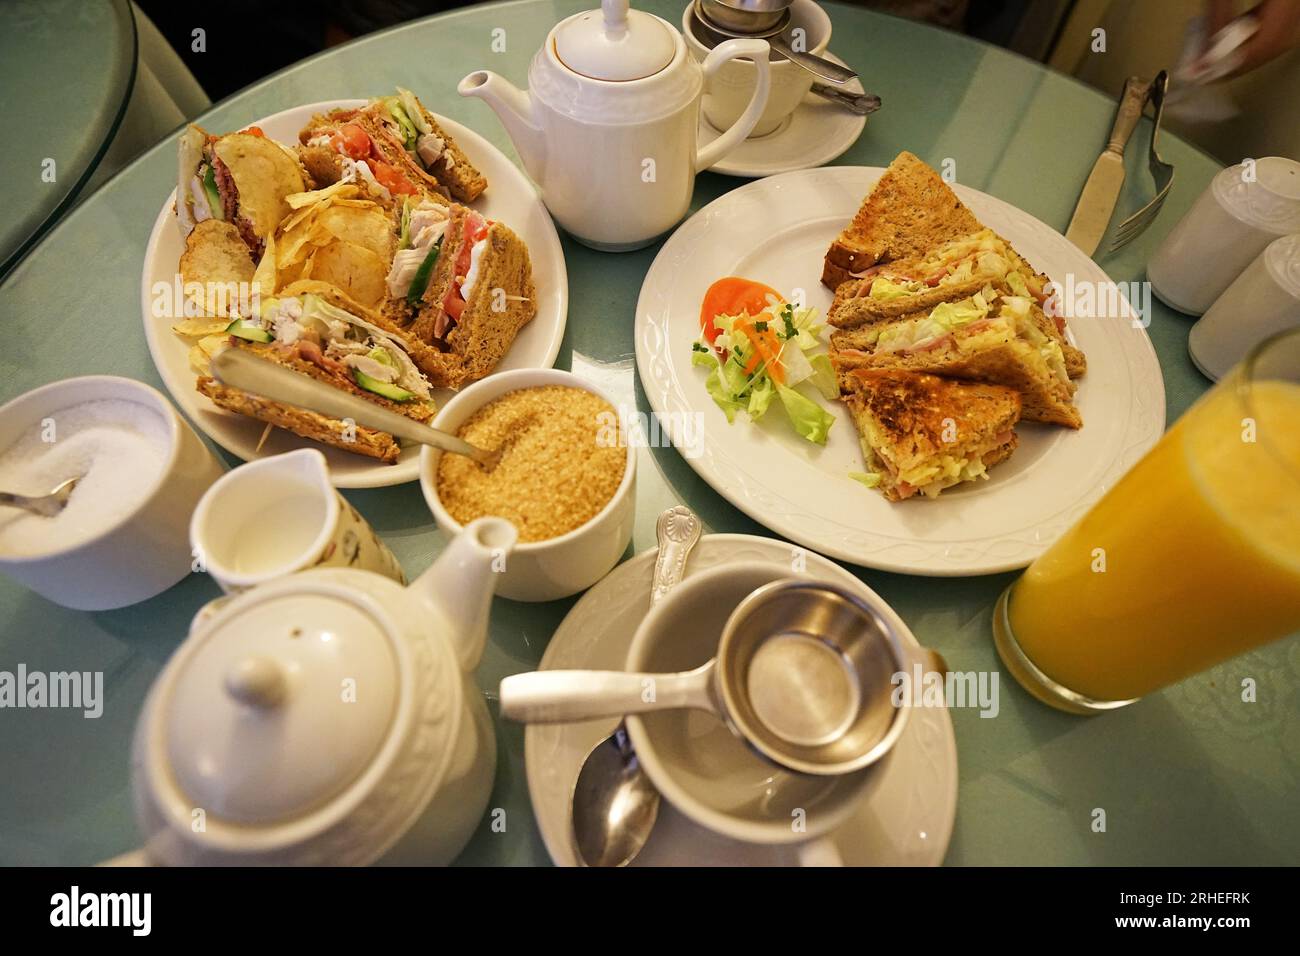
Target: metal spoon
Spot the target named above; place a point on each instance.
(712, 32)
(814, 64)
(45, 505)
(614, 803)
(860, 103)
(247, 371)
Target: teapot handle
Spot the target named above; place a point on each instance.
(757, 50)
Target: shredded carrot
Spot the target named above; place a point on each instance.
(767, 350)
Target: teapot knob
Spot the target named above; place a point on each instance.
(258, 682)
(615, 17)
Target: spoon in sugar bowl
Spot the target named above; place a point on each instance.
(47, 505)
(252, 374)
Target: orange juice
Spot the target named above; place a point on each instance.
(1193, 556)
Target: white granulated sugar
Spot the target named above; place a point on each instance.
(118, 446)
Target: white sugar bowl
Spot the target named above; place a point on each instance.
(325, 718)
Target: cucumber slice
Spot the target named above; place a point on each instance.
(250, 333)
(422, 275)
(213, 194)
(404, 239)
(394, 392)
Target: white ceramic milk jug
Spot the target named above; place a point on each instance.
(607, 128)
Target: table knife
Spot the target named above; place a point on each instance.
(1101, 191)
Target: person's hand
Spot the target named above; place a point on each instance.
(1278, 30)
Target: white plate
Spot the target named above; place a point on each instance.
(510, 198)
(907, 821)
(813, 135)
(776, 231)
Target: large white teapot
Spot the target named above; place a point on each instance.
(328, 717)
(607, 128)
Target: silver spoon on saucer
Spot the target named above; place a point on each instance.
(47, 505)
(614, 803)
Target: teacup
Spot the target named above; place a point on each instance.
(698, 764)
(727, 93)
(279, 515)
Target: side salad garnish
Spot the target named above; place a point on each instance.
(757, 347)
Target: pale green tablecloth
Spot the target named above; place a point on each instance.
(1189, 776)
(66, 71)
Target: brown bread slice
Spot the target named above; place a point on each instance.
(461, 179)
(312, 425)
(300, 421)
(910, 210)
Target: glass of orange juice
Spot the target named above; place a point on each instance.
(1191, 558)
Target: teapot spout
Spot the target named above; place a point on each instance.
(514, 108)
(459, 585)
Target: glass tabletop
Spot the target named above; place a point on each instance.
(67, 68)
(1189, 776)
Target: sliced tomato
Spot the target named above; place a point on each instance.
(391, 178)
(476, 227)
(254, 131)
(732, 295)
(352, 141)
(454, 305)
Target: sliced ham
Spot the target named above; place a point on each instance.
(930, 344)
(310, 351)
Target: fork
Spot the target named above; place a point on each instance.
(1161, 172)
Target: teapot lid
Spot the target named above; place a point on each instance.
(615, 43)
(280, 705)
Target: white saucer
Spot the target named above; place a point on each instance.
(907, 821)
(814, 134)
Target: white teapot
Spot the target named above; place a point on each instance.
(607, 128)
(327, 717)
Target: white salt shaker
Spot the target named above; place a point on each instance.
(1264, 300)
(1245, 208)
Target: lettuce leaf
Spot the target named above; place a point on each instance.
(1017, 283)
(808, 418)
(721, 397)
(885, 289)
(823, 377)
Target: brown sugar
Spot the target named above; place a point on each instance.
(559, 465)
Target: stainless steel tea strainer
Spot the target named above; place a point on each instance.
(804, 674)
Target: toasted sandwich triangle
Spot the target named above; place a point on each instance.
(908, 211)
(911, 421)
